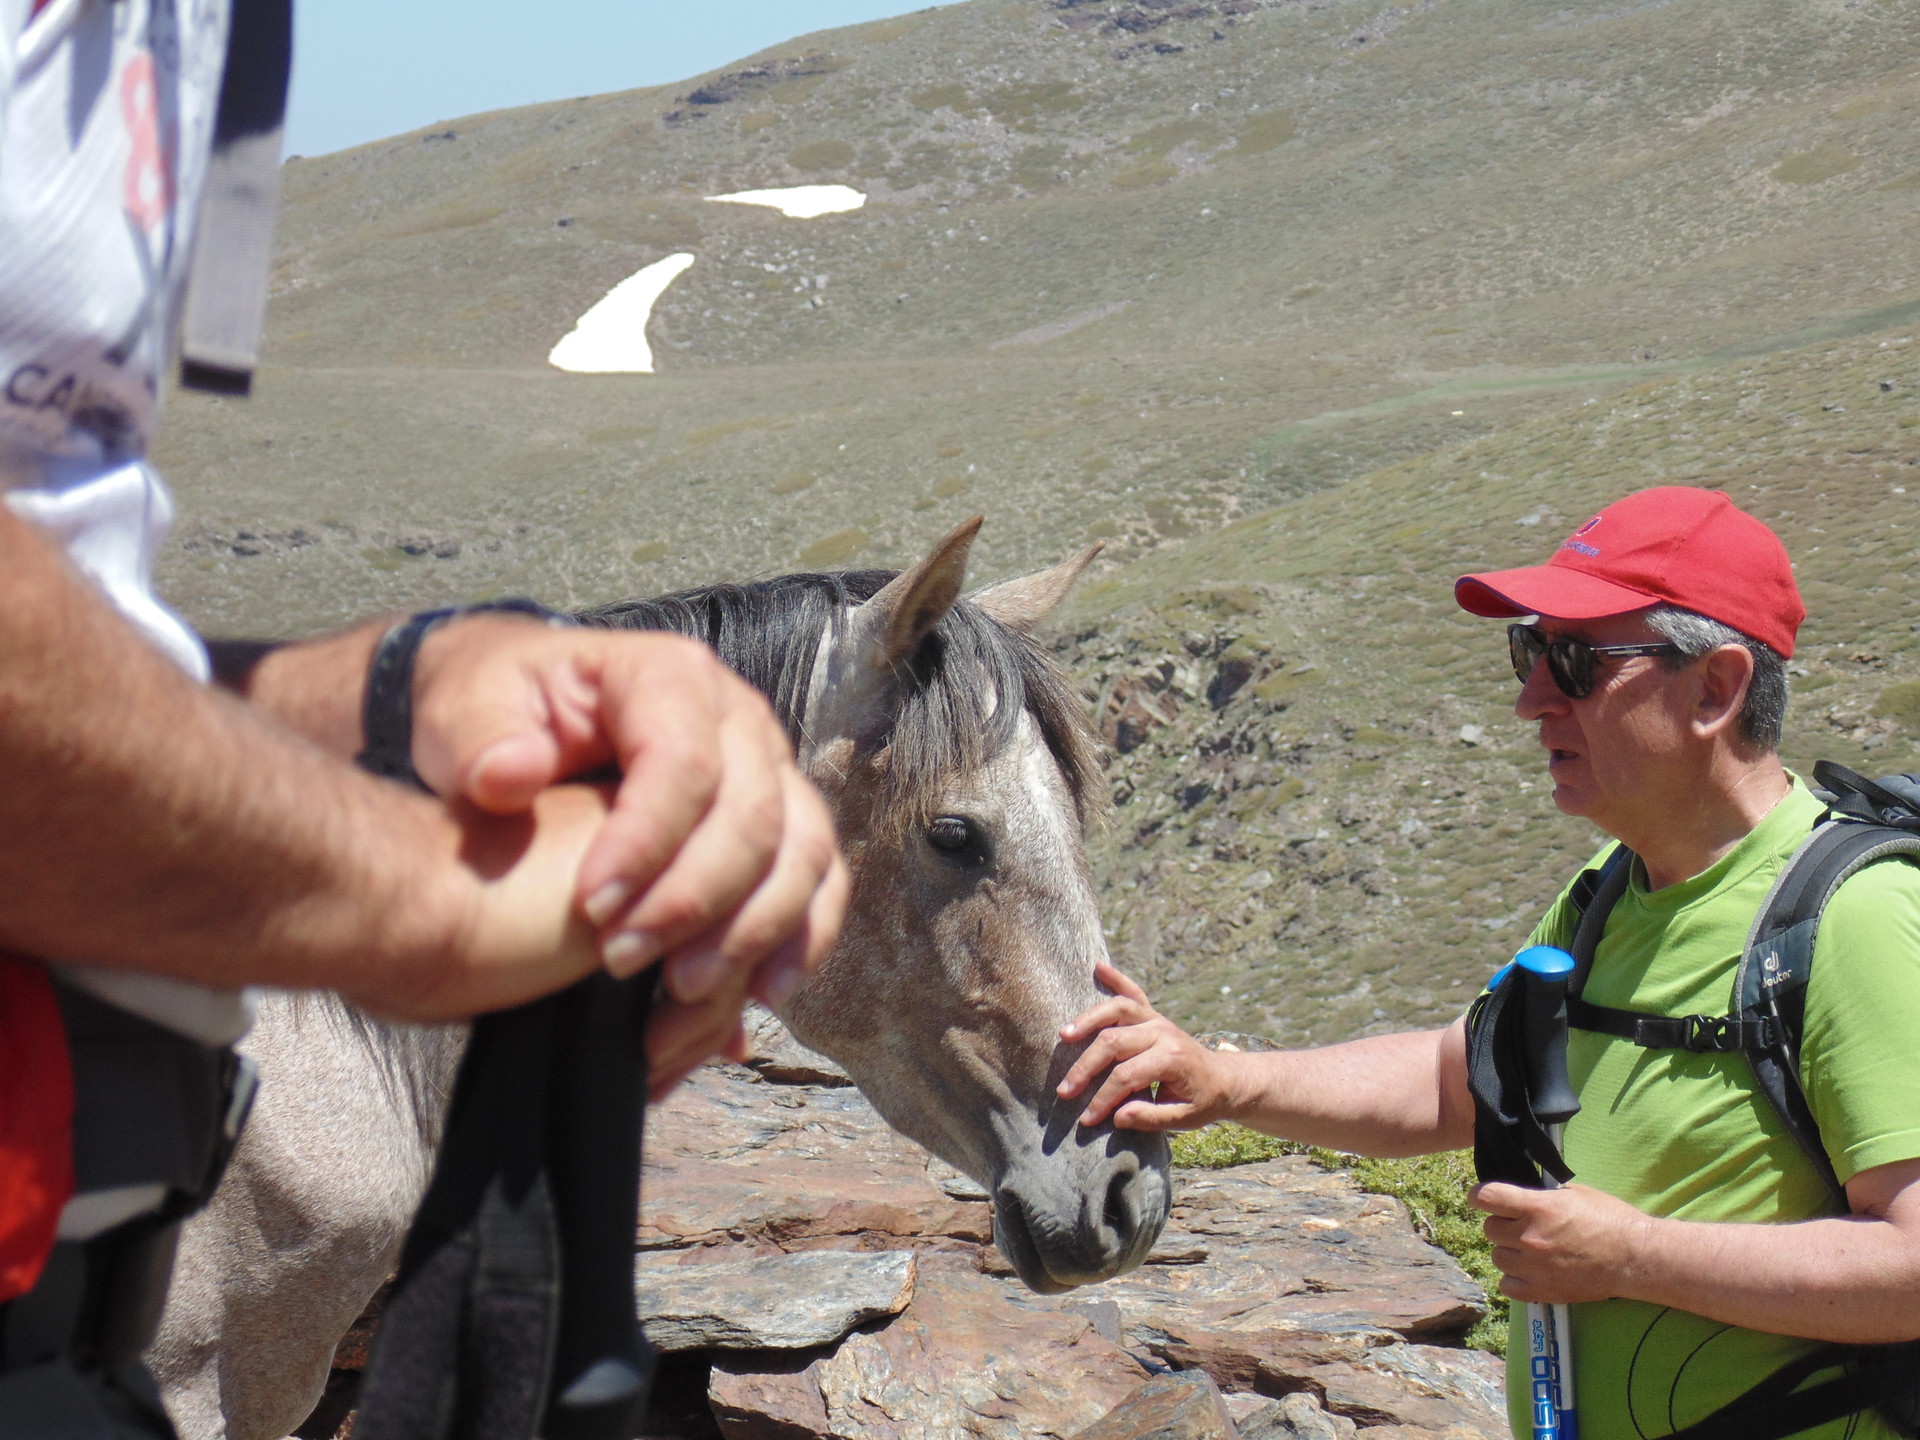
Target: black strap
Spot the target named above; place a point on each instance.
(1701, 1034)
(386, 715)
(1778, 1407)
(233, 244)
(1509, 1142)
(513, 1312)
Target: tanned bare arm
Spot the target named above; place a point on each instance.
(149, 823)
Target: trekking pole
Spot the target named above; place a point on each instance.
(1545, 970)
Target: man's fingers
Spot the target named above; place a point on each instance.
(1496, 1197)
(681, 1037)
(1154, 1115)
(1109, 1047)
(1123, 1082)
(729, 853)
(1117, 1010)
(1110, 975)
(665, 715)
(782, 973)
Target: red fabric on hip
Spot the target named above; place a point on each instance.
(36, 1123)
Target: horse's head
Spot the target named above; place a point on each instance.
(959, 765)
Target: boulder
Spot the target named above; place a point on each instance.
(772, 1302)
(1368, 1376)
(1167, 1407)
(1312, 1304)
(969, 1359)
(772, 1052)
(733, 1160)
(1297, 1417)
(1284, 1245)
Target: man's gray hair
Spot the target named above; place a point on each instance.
(1763, 718)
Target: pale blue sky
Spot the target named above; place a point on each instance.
(363, 69)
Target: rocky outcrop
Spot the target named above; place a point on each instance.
(1280, 1301)
(774, 1302)
(811, 1275)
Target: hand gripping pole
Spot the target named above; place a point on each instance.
(1545, 971)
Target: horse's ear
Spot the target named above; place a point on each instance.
(904, 612)
(1022, 603)
(880, 637)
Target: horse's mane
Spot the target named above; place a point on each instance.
(971, 679)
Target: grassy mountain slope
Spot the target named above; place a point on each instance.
(1325, 842)
(1304, 307)
(1129, 270)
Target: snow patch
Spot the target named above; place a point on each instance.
(799, 202)
(611, 338)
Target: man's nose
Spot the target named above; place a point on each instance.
(1539, 696)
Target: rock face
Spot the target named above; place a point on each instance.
(968, 1358)
(774, 1302)
(1280, 1298)
(811, 1275)
(1167, 1407)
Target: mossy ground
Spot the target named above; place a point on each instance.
(1432, 1187)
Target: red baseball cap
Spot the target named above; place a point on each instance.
(1673, 545)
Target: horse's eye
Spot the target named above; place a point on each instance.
(953, 835)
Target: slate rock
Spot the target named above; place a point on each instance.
(773, 1302)
(773, 1053)
(1167, 1407)
(1297, 1417)
(1368, 1376)
(732, 1160)
(1285, 1245)
(1277, 1277)
(969, 1359)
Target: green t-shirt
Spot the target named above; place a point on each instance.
(1691, 1137)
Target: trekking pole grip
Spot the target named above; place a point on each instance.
(1545, 971)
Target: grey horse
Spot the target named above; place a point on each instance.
(960, 768)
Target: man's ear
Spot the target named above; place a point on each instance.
(1726, 675)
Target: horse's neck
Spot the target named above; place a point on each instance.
(414, 1065)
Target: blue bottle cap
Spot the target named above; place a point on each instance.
(1499, 975)
(1549, 962)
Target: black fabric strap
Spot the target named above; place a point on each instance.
(386, 715)
(1701, 1034)
(513, 1312)
(1777, 1407)
(226, 306)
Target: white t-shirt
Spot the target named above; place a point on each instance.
(106, 125)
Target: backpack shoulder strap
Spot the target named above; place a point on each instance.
(226, 305)
(1594, 895)
(1770, 990)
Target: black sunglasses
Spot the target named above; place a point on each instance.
(1569, 661)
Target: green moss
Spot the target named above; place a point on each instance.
(1812, 166)
(1162, 138)
(1146, 173)
(834, 549)
(1434, 1190)
(948, 97)
(1264, 132)
(1900, 702)
(821, 155)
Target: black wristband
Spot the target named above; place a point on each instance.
(386, 714)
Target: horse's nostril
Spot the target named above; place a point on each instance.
(1119, 1213)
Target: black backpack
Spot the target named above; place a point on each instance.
(1866, 821)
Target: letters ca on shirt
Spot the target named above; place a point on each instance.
(102, 150)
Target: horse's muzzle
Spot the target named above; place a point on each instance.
(1089, 1210)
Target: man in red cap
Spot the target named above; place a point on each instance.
(1701, 1250)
